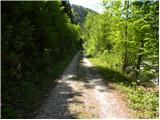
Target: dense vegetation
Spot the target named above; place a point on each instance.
(144, 101)
(126, 38)
(80, 13)
(124, 41)
(38, 40)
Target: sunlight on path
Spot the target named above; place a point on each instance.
(109, 106)
(81, 93)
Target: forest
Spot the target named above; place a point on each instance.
(39, 39)
(32, 51)
(125, 39)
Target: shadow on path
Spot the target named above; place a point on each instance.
(81, 72)
(56, 105)
(109, 75)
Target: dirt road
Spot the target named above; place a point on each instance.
(81, 93)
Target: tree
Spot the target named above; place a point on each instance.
(36, 38)
(126, 33)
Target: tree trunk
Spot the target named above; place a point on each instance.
(139, 60)
(124, 65)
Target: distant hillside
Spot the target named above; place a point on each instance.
(79, 13)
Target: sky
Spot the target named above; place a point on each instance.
(91, 4)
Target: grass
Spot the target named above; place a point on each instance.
(144, 101)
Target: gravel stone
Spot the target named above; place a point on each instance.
(81, 93)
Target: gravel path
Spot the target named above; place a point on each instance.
(81, 93)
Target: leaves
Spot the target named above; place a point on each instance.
(36, 38)
(125, 38)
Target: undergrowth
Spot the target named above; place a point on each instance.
(24, 98)
(143, 100)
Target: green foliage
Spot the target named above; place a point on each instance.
(38, 40)
(8, 111)
(144, 101)
(126, 37)
(123, 42)
(80, 13)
